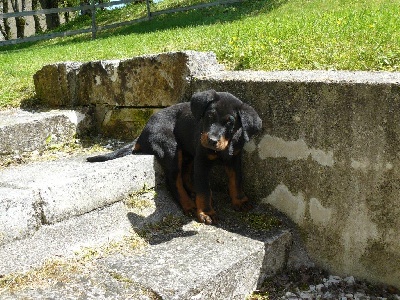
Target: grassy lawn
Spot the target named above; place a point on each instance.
(254, 34)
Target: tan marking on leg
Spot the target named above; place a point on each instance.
(205, 212)
(239, 199)
(136, 148)
(187, 204)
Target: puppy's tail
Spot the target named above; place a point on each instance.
(124, 151)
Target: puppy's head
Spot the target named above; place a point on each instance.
(226, 122)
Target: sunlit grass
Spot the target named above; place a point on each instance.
(253, 34)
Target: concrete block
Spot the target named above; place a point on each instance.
(63, 239)
(122, 122)
(56, 83)
(207, 263)
(22, 131)
(153, 80)
(73, 187)
(18, 216)
(328, 158)
(142, 81)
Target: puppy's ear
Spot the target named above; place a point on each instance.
(251, 122)
(200, 101)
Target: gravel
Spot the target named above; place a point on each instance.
(314, 283)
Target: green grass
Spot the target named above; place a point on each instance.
(254, 34)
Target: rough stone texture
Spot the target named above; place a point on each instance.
(151, 207)
(65, 238)
(96, 228)
(57, 190)
(208, 264)
(328, 158)
(123, 123)
(115, 87)
(153, 80)
(18, 217)
(91, 283)
(56, 84)
(28, 131)
(191, 262)
(142, 81)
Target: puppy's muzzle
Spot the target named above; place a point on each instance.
(213, 142)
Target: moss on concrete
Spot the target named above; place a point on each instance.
(125, 123)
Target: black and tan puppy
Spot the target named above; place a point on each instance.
(189, 138)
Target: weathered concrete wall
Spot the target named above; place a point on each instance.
(116, 87)
(328, 155)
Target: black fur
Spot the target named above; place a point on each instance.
(189, 138)
(126, 150)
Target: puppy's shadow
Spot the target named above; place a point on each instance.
(155, 215)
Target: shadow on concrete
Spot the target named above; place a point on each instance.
(158, 218)
(167, 222)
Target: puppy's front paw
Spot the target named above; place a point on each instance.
(207, 218)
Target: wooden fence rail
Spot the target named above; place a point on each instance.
(94, 27)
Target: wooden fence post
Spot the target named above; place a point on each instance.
(148, 9)
(93, 11)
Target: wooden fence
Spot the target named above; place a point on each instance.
(94, 27)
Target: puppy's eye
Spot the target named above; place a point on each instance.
(230, 119)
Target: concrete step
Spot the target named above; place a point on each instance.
(97, 228)
(48, 192)
(25, 131)
(205, 263)
(72, 229)
(175, 258)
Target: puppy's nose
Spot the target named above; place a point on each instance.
(213, 140)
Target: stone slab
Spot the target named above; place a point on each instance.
(24, 131)
(18, 216)
(99, 227)
(65, 238)
(204, 262)
(344, 77)
(147, 81)
(71, 187)
(90, 283)
(207, 263)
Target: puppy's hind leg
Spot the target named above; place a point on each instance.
(176, 184)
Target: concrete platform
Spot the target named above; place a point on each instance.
(22, 131)
(48, 192)
(59, 218)
(192, 262)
